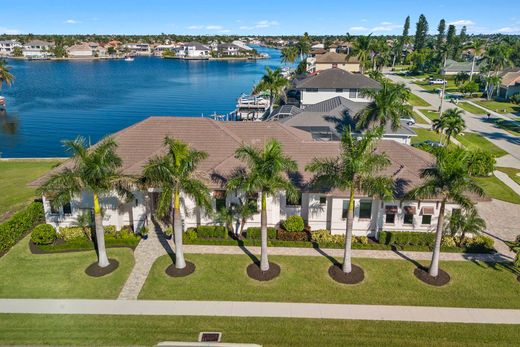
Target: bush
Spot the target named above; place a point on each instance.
(255, 234)
(480, 243)
(211, 231)
(43, 234)
(168, 231)
(294, 224)
(292, 236)
(110, 229)
(71, 233)
(406, 238)
(363, 240)
(480, 163)
(324, 238)
(449, 241)
(190, 235)
(515, 98)
(143, 231)
(20, 224)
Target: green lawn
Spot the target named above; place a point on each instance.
(425, 134)
(419, 119)
(14, 176)
(105, 330)
(305, 279)
(496, 189)
(474, 140)
(26, 275)
(511, 172)
(451, 87)
(508, 125)
(430, 114)
(414, 100)
(499, 106)
(471, 108)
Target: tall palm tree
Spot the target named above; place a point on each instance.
(272, 82)
(478, 46)
(266, 172)
(175, 173)
(95, 171)
(449, 181)
(289, 54)
(450, 122)
(363, 47)
(354, 170)
(5, 74)
(388, 105)
(492, 85)
(468, 221)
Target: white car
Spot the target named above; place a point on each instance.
(437, 81)
(408, 120)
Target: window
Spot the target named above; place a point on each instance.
(54, 209)
(409, 212)
(296, 201)
(426, 219)
(339, 90)
(390, 212)
(323, 200)
(365, 209)
(220, 199)
(352, 93)
(334, 65)
(67, 208)
(344, 212)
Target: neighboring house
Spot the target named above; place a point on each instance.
(228, 49)
(334, 82)
(37, 49)
(193, 50)
(160, 49)
(321, 209)
(82, 50)
(331, 60)
(510, 82)
(454, 67)
(7, 47)
(139, 48)
(242, 45)
(326, 120)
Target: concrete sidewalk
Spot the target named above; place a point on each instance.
(507, 181)
(262, 309)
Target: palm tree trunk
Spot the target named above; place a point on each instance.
(264, 262)
(180, 263)
(472, 68)
(100, 234)
(347, 256)
(434, 266)
(242, 223)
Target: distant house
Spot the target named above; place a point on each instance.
(7, 47)
(139, 48)
(334, 82)
(160, 49)
(228, 49)
(454, 67)
(242, 45)
(37, 49)
(331, 60)
(510, 82)
(82, 50)
(193, 50)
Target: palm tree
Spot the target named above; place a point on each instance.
(5, 74)
(389, 104)
(274, 83)
(289, 54)
(355, 169)
(469, 221)
(450, 122)
(175, 173)
(266, 170)
(363, 46)
(303, 45)
(478, 46)
(492, 85)
(95, 171)
(448, 181)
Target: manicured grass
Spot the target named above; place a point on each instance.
(499, 106)
(508, 125)
(414, 100)
(419, 119)
(425, 134)
(496, 189)
(305, 279)
(14, 176)
(27, 275)
(474, 140)
(105, 330)
(511, 172)
(471, 108)
(450, 87)
(430, 114)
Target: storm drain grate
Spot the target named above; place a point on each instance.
(209, 337)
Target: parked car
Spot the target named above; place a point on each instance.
(437, 81)
(408, 120)
(429, 143)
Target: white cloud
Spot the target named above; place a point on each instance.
(509, 30)
(214, 27)
(462, 22)
(10, 31)
(383, 27)
(385, 23)
(260, 24)
(195, 27)
(224, 31)
(358, 29)
(71, 21)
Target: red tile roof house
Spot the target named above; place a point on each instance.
(320, 209)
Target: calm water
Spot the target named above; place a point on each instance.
(52, 101)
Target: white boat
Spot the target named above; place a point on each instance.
(2, 101)
(129, 59)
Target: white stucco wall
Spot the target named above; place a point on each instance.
(310, 98)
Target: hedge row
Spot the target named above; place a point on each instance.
(406, 238)
(256, 234)
(208, 232)
(20, 224)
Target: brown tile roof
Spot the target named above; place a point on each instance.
(333, 57)
(144, 140)
(337, 78)
(510, 77)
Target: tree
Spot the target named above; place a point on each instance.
(451, 40)
(461, 78)
(289, 54)
(94, 171)
(421, 33)
(388, 105)
(266, 172)
(447, 180)
(5, 75)
(450, 122)
(470, 88)
(274, 83)
(492, 83)
(404, 39)
(477, 45)
(175, 173)
(17, 52)
(441, 29)
(354, 170)
(363, 46)
(304, 46)
(468, 221)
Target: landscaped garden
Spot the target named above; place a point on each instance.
(432, 115)
(496, 189)
(425, 135)
(99, 330)
(513, 173)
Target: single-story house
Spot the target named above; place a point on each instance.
(80, 51)
(510, 82)
(320, 208)
(454, 67)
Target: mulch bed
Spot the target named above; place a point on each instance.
(254, 272)
(94, 270)
(172, 271)
(518, 278)
(442, 278)
(37, 250)
(357, 275)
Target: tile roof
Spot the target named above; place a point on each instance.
(510, 77)
(333, 57)
(337, 78)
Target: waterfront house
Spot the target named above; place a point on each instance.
(83, 50)
(139, 48)
(7, 47)
(160, 49)
(241, 45)
(193, 50)
(228, 49)
(509, 82)
(330, 60)
(320, 208)
(38, 49)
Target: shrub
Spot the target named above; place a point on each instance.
(255, 233)
(168, 231)
(43, 234)
(324, 238)
(406, 238)
(20, 224)
(126, 232)
(211, 231)
(481, 163)
(515, 98)
(448, 241)
(292, 236)
(143, 231)
(384, 238)
(72, 233)
(294, 224)
(480, 242)
(110, 229)
(361, 240)
(190, 234)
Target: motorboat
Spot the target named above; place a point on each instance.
(129, 59)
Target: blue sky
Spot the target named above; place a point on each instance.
(262, 17)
